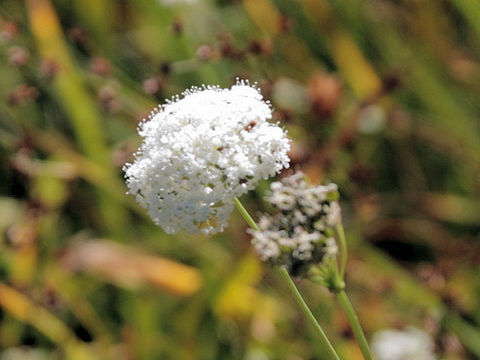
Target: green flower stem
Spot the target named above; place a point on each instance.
(354, 323)
(325, 343)
(241, 209)
(285, 276)
(338, 289)
(342, 242)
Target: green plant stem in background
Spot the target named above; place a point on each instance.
(285, 276)
(354, 323)
(342, 243)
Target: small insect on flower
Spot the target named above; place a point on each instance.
(301, 233)
(201, 150)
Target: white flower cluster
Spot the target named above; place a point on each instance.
(408, 344)
(301, 233)
(201, 150)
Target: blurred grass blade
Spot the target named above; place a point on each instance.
(59, 148)
(129, 268)
(78, 104)
(356, 70)
(452, 208)
(20, 307)
(446, 110)
(471, 10)
(74, 295)
(92, 13)
(80, 107)
(238, 297)
(409, 291)
(468, 334)
(264, 14)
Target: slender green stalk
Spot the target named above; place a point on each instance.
(325, 343)
(284, 275)
(342, 297)
(354, 323)
(241, 209)
(342, 242)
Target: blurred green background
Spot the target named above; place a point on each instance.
(379, 96)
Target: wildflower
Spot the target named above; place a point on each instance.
(408, 344)
(200, 151)
(300, 234)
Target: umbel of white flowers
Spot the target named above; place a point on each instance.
(407, 344)
(201, 150)
(301, 233)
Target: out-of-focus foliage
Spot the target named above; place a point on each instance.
(379, 96)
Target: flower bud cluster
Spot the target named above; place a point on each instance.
(301, 232)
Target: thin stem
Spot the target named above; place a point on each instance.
(343, 249)
(354, 323)
(285, 276)
(241, 209)
(339, 291)
(325, 343)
